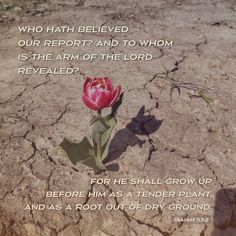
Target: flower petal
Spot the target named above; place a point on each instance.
(102, 100)
(87, 83)
(116, 95)
(94, 93)
(89, 103)
(87, 88)
(109, 86)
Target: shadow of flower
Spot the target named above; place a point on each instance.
(141, 124)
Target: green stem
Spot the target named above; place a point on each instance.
(99, 141)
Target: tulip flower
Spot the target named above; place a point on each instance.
(99, 93)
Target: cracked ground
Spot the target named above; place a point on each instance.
(190, 89)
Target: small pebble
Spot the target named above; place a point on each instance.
(17, 9)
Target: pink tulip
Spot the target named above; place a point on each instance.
(99, 93)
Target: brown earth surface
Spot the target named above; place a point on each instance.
(193, 134)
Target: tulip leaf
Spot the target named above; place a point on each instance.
(100, 125)
(105, 135)
(111, 121)
(82, 152)
(96, 118)
(116, 106)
